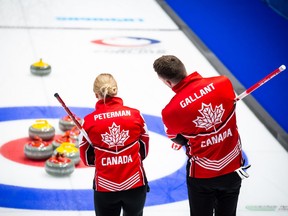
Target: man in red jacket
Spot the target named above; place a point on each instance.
(118, 144)
(201, 117)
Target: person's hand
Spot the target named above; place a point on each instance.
(242, 172)
(176, 146)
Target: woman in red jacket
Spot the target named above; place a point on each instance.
(118, 144)
(201, 116)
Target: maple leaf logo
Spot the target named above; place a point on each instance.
(209, 116)
(115, 138)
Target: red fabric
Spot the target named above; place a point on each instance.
(203, 111)
(117, 133)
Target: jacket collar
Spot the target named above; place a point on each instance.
(110, 101)
(187, 80)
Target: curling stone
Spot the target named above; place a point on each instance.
(59, 165)
(64, 138)
(74, 133)
(66, 123)
(38, 149)
(40, 68)
(70, 151)
(42, 129)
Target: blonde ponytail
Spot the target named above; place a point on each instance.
(105, 85)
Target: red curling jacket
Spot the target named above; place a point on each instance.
(120, 144)
(203, 111)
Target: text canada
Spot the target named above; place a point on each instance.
(116, 160)
(217, 138)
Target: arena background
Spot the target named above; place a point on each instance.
(80, 39)
(247, 40)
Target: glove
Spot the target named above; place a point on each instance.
(176, 146)
(242, 171)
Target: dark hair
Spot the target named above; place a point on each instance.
(170, 67)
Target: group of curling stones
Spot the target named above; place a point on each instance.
(61, 152)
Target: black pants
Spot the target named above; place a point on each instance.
(110, 203)
(218, 194)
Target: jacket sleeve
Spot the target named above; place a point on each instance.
(144, 141)
(171, 135)
(180, 139)
(87, 154)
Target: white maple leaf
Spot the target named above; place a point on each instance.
(209, 116)
(115, 137)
